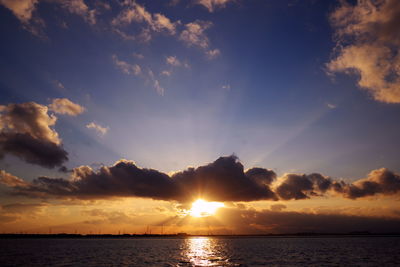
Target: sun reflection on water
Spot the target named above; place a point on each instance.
(204, 251)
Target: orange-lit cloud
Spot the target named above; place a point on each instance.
(66, 106)
(126, 67)
(194, 35)
(25, 11)
(369, 46)
(22, 9)
(134, 12)
(212, 5)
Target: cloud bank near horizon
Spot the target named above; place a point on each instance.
(222, 180)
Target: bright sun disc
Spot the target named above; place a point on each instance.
(202, 208)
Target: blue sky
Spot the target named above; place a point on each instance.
(267, 95)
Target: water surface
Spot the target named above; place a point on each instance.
(203, 251)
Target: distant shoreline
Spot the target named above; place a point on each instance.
(183, 235)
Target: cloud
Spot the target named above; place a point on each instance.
(222, 180)
(78, 7)
(166, 72)
(22, 9)
(30, 118)
(173, 61)
(225, 180)
(284, 222)
(295, 186)
(301, 186)
(380, 181)
(8, 219)
(161, 22)
(109, 217)
(368, 45)
(160, 90)
(134, 12)
(11, 180)
(124, 35)
(17, 208)
(277, 207)
(211, 54)
(26, 132)
(66, 107)
(125, 67)
(32, 150)
(135, 69)
(194, 35)
(331, 106)
(156, 84)
(58, 84)
(100, 129)
(138, 55)
(211, 5)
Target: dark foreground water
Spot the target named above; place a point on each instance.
(202, 251)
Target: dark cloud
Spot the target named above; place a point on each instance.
(31, 150)
(225, 180)
(7, 218)
(380, 181)
(221, 180)
(279, 222)
(26, 132)
(295, 186)
(13, 212)
(16, 208)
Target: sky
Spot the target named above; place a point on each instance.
(117, 115)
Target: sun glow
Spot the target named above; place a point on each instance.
(202, 208)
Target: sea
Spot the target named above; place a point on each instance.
(203, 251)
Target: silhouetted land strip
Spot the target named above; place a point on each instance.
(183, 235)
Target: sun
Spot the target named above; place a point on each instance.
(202, 208)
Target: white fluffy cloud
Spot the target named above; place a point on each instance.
(369, 46)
